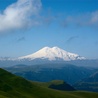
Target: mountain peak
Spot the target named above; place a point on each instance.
(55, 47)
(53, 53)
(46, 47)
(50, 47)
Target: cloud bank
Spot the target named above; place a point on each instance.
(87, 19)
(25, 13)
(19, 15)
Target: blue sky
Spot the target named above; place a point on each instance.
(29, 25)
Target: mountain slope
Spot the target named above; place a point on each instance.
(54, 53)
(88, 84)
(92, 78)
(17, 87)
(60, 85)
(56, 84)
(48, 72)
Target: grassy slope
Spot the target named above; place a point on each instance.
(12, 86)
(56, 84)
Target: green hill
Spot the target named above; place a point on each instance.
(12, 86)
(56, 84)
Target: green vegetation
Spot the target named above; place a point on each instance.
(56, 84)
(12, 86)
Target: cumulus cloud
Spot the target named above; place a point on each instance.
(19, 15)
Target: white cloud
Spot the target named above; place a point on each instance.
(19, 15)
(88, 19)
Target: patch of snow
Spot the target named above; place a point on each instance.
(52, 54)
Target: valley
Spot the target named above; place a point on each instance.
(12, 86)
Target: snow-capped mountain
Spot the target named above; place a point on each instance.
(53, 53)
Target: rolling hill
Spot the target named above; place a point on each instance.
(12, 86)
(56, 84)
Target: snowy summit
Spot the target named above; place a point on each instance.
(53, 53)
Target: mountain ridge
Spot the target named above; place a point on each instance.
(88, 84)
(12, 86)
(54, 53)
